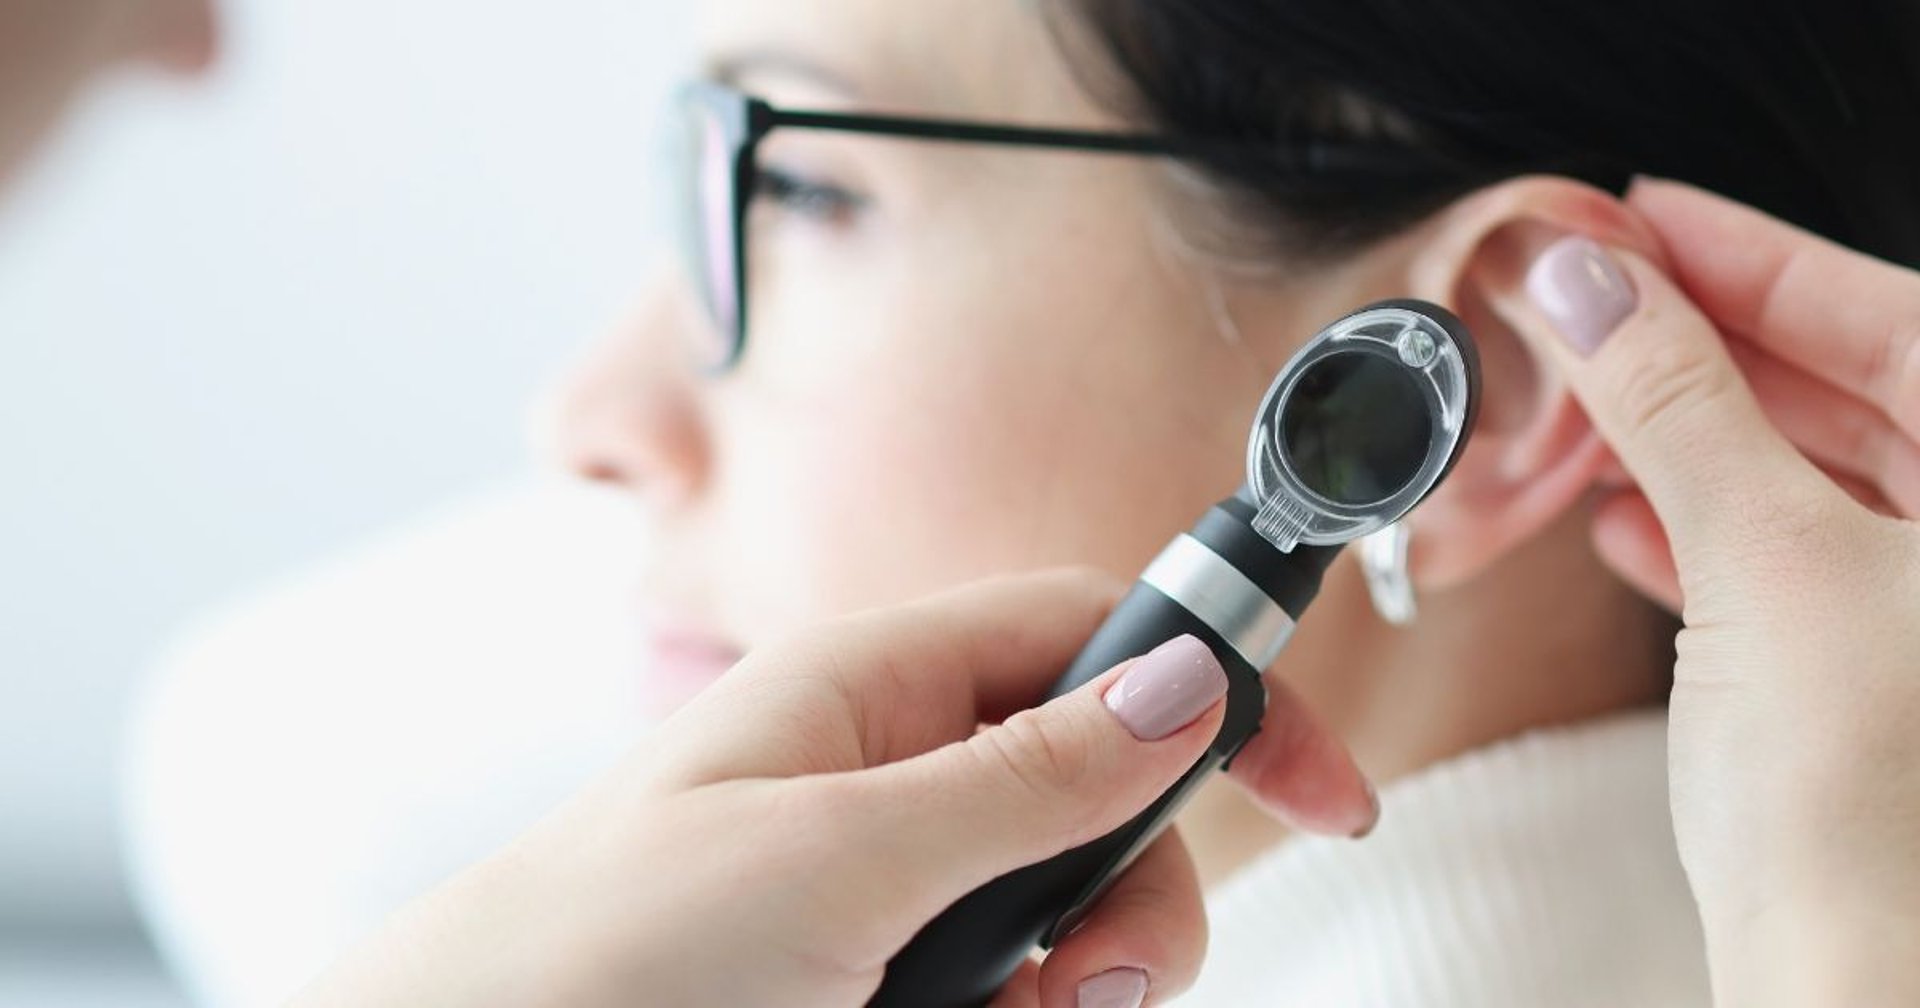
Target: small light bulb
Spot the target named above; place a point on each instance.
(1417, 347)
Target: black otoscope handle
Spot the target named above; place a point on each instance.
(1222, 583)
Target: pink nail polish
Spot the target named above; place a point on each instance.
(1582, 290)
(1167, 689)
(1122, 987)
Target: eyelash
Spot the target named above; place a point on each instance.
(818, 200)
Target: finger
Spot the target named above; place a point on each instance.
(1301, 772)
(1023, 990)
(1865, 494)
(1832, 427)
(1046, 780)
(1845, 316)
(1658, 382)
(1629, 540)
(890, 683)
(1147, 935)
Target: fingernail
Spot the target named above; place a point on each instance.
(1122, 987)
(1582, 290)
(1167, 689)
(1373, 819)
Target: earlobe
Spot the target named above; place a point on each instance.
(1533, 455)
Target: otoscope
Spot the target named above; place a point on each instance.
(1357, 429)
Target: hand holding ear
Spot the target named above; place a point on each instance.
(791, 829)
(1754, 402)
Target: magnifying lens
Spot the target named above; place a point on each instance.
(1357, 429)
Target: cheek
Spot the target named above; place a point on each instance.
(939, 433)
(893, 482)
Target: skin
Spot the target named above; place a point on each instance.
(51, 49)
(896, 425)
(1774, 504)
(858, 740)
(1749, 437)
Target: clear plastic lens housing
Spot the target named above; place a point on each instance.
(1360, 425)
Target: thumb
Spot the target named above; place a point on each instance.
(1656, 379)
(1045, 780)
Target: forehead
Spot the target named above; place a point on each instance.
(967, 58)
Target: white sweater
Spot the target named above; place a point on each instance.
(1540, 871)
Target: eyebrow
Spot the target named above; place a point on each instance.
(732, 68)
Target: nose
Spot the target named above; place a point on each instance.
(629, 414)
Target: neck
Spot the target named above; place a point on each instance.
(1483, 662)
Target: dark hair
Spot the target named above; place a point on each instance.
(1809, 109)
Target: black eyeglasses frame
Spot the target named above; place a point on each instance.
(745, 121)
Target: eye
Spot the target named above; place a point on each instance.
(819, 200)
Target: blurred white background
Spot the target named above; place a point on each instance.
(247, 323)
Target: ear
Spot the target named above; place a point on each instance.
(1533, 455)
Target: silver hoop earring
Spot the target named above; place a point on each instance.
(1383, 562)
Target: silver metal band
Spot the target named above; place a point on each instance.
(1206, 585)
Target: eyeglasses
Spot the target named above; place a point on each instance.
(717, 131)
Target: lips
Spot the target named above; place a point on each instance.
(688, 656)
(681, 659)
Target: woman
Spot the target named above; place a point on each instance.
(799, 821)
(1460, 251)
(963, 359)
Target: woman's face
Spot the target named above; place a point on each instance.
(49, 49)
(985, 360)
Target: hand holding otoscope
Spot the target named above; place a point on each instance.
(783, 839)
(1358, 428)
(812, 791)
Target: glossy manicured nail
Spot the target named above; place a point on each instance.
(1167, 689)
(1582, 290)
(1122, 987)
